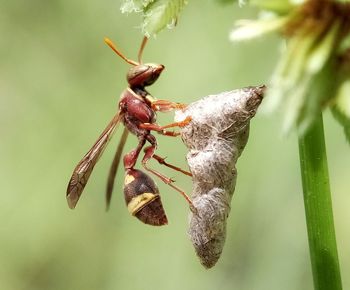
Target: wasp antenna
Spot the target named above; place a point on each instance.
(114, 48)
(143, 44)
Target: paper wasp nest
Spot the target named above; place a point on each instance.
(215, 137)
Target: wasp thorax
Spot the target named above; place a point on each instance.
(142, 198)
(144, 74)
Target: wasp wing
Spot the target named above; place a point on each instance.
(84, 168)
(114, 167)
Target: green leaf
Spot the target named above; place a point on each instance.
(323, 51)
(341, 108)
(289, 81)
(321, 89)
(160, 14)
(134, 5)
(343, 120)
(157, 14)
(247, 29)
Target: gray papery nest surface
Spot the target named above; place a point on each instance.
(215, 137)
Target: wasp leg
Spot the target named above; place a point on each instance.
(131, 157)
(149, 152)
(169, 133)
(189, 201)
(158, 128)
(162, 161)
(166, 106)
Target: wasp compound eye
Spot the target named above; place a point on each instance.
(215, 137)
(142, 198)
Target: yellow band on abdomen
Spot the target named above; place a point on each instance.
(139, 201)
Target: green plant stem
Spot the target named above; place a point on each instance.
(318, 209)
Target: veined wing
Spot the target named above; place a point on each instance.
(114, 167)
(84, 168)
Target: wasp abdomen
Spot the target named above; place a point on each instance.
(143, 199)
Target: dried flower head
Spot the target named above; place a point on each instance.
(310, 74)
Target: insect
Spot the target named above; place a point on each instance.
(137, 111)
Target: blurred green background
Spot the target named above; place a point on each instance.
(59, 87)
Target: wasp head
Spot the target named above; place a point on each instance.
(144, 74)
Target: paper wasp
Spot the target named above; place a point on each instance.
(137, 111)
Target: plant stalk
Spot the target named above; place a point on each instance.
(318, 209)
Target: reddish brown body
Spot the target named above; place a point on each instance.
(143, 199)
(137, 110)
